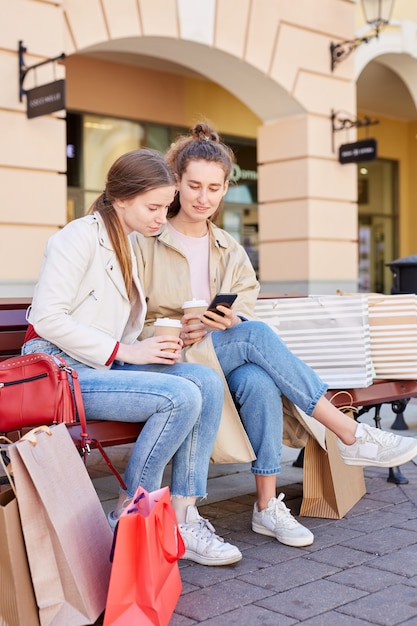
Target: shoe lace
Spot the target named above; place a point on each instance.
(282, 514)
(381, 436)
(204, 530)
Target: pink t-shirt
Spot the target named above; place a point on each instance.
(197, 251)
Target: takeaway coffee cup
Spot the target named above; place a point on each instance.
(195, 306)
(168, 326)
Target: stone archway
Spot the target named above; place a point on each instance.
(274, 57)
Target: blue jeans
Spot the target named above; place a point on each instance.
(182, 416)
(259, 367)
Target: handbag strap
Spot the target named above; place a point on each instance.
(86, 440)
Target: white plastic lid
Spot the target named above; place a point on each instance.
(191, 303)
(167, 321)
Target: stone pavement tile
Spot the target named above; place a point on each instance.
(331, 534)
(393, 495)
(247, 539)
(219, 599)
(411, 622)
(411, 491)
(385, 607)
(367, 578)
(412, 582)
(289, 574)
(333, 618)
(383, 518)
(202, 576)
(365, 505)
(273, 552)
(383, 541)
(227, 519)
(375, 478)
(180, 620)
(249, 615)
(187, 587)
(409, 525)
(341, 556)
(224, 508)
(311, 599)
(403, 562)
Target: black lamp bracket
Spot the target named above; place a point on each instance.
(24, 69)
(340, 122)
(340, 51)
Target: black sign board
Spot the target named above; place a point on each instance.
(45, 99)
(365, 150)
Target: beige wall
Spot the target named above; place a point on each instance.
(138, 93)
(264, 67)
(32, 152)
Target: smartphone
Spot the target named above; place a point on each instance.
(225, 299)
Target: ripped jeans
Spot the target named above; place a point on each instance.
(181, 416)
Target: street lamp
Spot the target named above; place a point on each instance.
(377, 14)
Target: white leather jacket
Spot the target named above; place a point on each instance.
(80, 302)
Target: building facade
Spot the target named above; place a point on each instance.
(138, 72)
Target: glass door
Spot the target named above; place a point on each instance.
(377, 224)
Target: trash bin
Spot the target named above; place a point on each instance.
(404, 272)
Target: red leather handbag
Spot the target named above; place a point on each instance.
(35, 389)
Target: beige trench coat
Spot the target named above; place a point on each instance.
(164, 273)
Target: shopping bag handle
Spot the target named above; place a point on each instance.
(347, 407)
(6, 467)
(161, 526)
(31, 435)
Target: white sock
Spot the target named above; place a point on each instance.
(359, 430)
(180, 505)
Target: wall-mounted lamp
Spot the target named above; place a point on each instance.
(377, 14)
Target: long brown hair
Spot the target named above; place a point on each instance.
(130, 175)
(203, 144)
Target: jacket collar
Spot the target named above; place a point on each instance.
(103, 236)
(217, 236)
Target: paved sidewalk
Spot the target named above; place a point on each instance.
(361, 569)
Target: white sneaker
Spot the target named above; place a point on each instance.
(277, 521)
(377, 447)
(113, 516)
(202, 544)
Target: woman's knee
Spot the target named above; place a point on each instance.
(185, 394)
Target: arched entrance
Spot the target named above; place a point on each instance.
(386, 91)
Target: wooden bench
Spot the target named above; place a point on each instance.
(13, 327)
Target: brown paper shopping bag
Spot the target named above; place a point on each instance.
(67, 536)
(17, 599)
(330, 487)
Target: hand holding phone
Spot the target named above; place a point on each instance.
(224, 299)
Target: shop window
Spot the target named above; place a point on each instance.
(94, 142)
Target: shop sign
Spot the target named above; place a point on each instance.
(45, 99)
(239, 174)
(365, 150)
